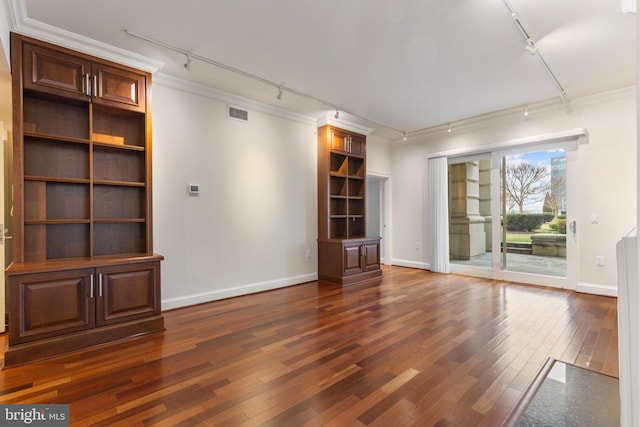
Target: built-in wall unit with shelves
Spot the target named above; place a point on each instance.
(83, 271)
(345, 254)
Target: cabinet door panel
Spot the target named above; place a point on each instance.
(119, 88)
(372, 255)
(339, 140)
(357, 145)
(352, 261)
(50, 304)
(128, 292)
(55, 72)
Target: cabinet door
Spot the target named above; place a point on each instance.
(339, 140)
(371, 255)
(46, 305)
(127, 292)
(47, 70)
(352, 258)
(118, 88)
(357, 145)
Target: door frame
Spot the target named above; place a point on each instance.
(385, 215)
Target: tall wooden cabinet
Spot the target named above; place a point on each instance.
(83, 271)
(345, 254)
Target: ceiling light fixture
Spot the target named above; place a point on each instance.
(229, 68)
(279, 96)
(187, 65)
(404, 136)
(449, 128)
(337, 116)
(526, 111)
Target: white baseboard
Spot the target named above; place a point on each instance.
(411, 264)
(596, 289)
(252, 288)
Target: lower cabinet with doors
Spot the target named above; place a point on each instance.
(349, 261)
(67, 308)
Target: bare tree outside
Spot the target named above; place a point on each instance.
(526, 183)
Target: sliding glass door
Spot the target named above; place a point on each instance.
(508, 215)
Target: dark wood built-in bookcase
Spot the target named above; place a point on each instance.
(345, 254)
(83, 270)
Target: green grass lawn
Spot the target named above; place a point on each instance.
(519, 237)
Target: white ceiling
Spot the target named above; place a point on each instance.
(409, 64)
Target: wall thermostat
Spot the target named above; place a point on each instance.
(193, 189)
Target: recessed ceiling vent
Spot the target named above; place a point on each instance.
(237, 113)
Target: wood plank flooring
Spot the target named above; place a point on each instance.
(419, 349)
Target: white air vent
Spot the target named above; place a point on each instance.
(237, 114)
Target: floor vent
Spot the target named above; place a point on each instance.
(237, 114)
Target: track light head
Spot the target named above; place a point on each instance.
(449, 128)
(404, 136)
(526, 111)
(279, 96)
(337, 115)
(531, 46)
(187, 64)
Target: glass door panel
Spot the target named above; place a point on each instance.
(470, 207)
(533, 206)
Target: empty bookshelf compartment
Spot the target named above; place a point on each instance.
(356, 207)
(67, 201)
(56, 159)
(356, 167)
(338, 186)
(118, 165)
(339, 164)
(119, 238)
(338, 207)
(116, 202)
(338, 228)
(125, 125)
(356, 187)
(51, 241)
(356, 227)
(67, 240)
(53, 118)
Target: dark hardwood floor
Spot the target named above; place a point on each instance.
(418, 349)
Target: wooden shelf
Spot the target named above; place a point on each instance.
(50, 137)
(118, 146)
(120, 183)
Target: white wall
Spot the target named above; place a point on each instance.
(606, 171)
(378, 156)
(256, 215)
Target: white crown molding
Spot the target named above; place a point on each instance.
(330, 120)
(229, 98)
(515, 113)
(20, 23)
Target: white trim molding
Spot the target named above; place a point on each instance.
(20, 23)
(596, 289)
(411, 264)
(343, 124)
(204, 297)
(229, 98)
